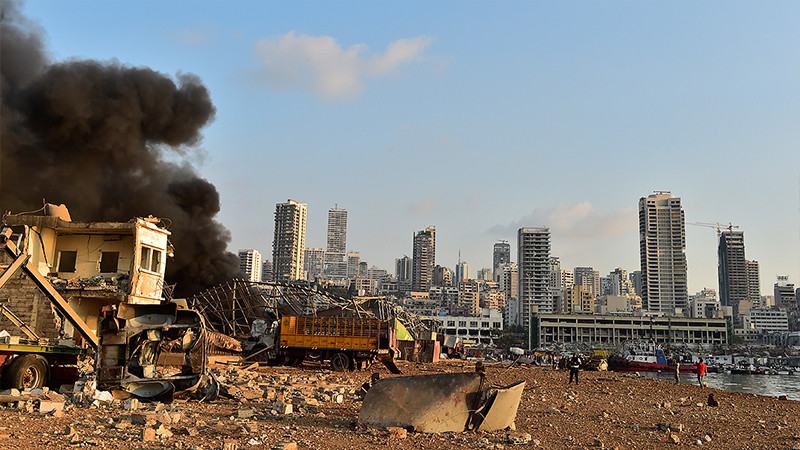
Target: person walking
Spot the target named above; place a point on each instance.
(701, 372)
(677, 371)
(574, 366)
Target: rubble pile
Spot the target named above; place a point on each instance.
(311, 408)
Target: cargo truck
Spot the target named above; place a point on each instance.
(346, 342)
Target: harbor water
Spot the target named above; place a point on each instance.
(768, 385)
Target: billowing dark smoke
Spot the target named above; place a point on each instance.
(94, 136)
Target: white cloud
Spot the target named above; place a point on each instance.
(577, 222)
(319, 63)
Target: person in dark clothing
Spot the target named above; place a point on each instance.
(574, 365)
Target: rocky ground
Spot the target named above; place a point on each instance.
(310, 407)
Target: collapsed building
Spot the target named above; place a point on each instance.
(101, 285)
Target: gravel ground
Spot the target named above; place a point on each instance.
(607, 409)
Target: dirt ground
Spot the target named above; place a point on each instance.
(607, 410)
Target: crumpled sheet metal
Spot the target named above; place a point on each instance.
(428, 403)
(500, 410)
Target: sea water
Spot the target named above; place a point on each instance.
(769, 385)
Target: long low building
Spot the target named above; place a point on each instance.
(611, 330)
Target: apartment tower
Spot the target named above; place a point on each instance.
(423, 260)
(250, 264)
(289, 244)
(732, 270)
(533, 267)
(335, 252)
(501, 254)
(662, 246)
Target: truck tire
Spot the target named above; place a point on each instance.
(26, 372)
(340, 362)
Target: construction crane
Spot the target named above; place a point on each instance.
(718, 226)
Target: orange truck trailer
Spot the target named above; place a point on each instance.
(347, 342)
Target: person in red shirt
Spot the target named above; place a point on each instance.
(701, 372)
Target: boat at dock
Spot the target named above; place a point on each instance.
(647, 357)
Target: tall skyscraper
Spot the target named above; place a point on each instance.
(662, 246)
(501, 254)
(462, 272)
(533, 262)
(335, 253)
(289, 244)
(250, 264)
(754, 283)
(424, 259)
(402, 269)
(732, 271)
(509, 281)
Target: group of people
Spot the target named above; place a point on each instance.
(574, 366)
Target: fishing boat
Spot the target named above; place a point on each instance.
(647, 357)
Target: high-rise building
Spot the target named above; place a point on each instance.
(424, 259)
(469, 296)
(250, 264)
(732, 271)
(314, 262)
(266, 271)
(335, 253)
(662, 246)
(784, 293)
(485, 274)
(462, 272)
(402, 269)
(509, 281)
(289, 244)
(620, 283)
(501, 254)
(533, 262)
(588, 278)
(753, 283)
(443, 277)
(353, 264)
(636, 281)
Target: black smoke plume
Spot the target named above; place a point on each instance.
(109, 141)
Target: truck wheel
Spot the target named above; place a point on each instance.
(26, 372)
(340, 362)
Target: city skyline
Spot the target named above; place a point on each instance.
(433, 124)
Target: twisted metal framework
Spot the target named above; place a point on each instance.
(231, 307)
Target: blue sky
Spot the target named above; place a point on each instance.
(482, 117)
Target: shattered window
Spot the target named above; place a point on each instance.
(151, 259)
(144, 261)
(155, 261)
(66, 261)
(109, 262)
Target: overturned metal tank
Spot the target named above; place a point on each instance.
(155, 352)
(440, 403)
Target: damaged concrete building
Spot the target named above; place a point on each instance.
(101, 285)
(94, 266)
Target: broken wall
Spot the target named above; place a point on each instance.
(89, 250)
(21, 295)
